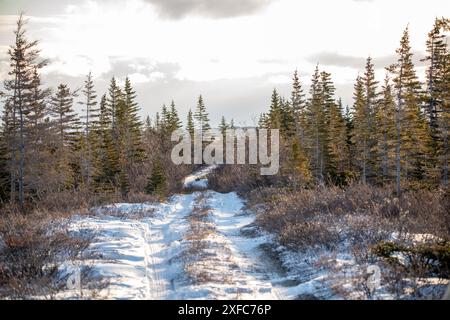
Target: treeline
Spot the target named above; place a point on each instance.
(47, 150)
(396, 131)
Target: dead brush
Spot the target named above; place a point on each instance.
(33, 247)
(357, 218)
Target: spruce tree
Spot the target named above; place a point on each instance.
(385, 133)
(436, 96)
(89, 105)
(114, 95)
(65, 119)
(316, 119)
(174, 119)
(106, 155)
(298, 164)
(436, 51)
(39, 160)
(190, 126)
(156, 184)
(90, 117)
(65, 124)
(201, 115)
(275, 114)
(165, 119)
(288, 118)
(338, 147)
(223, 126)
(371, 100)
(327, 92)
(298, 105)
(361, 132)
(23, 56)
(414, 140)
(132, 134)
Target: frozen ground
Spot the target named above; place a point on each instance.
(204, 245)
(147, 250)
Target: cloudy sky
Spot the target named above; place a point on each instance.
(234, 52)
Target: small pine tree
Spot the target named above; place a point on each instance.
(298, 163)
(156, 183)
(174, 119)
(223, 126)
(190, 127)
(201, 115)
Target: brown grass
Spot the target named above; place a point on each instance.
(358, 218)
(32, 248)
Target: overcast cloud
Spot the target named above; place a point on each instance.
(234, 52)
(177, 9)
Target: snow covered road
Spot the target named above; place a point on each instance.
(191, 247)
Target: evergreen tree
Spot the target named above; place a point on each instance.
(298, 105)
(385, 133)
(114, 95)
(90, 118)
(165, 119)
(89, 105)
(223, 126)
(263, 121)
(134, 151)
(38, 140)
(158, 124)
(201, 116)
(23, 56)
(190, 127)
(414, 139)
(65, 125)
(174, 119)
(65, 119)
(361, 132)
(275, 114)
(148, 124)
(371, 100)
(298, 164)
(338, 147)
(437, 96)
(443, 115)
(106, 154)
(288, 118)
(316, 119)
(436, 51)
(156, 184)
(327, 92)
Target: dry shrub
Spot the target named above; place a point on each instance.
(356, 219)
(358, 212)
(240, 178)
(139, 197)
(32, 248)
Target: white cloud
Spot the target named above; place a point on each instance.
(265, 46)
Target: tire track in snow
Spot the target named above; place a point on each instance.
(155, 286)
(149, 250)
(157, 245)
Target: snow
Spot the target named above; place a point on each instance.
(157, 251)
(198, 179)
(145, 251)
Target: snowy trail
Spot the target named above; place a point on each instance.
(164, 256)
